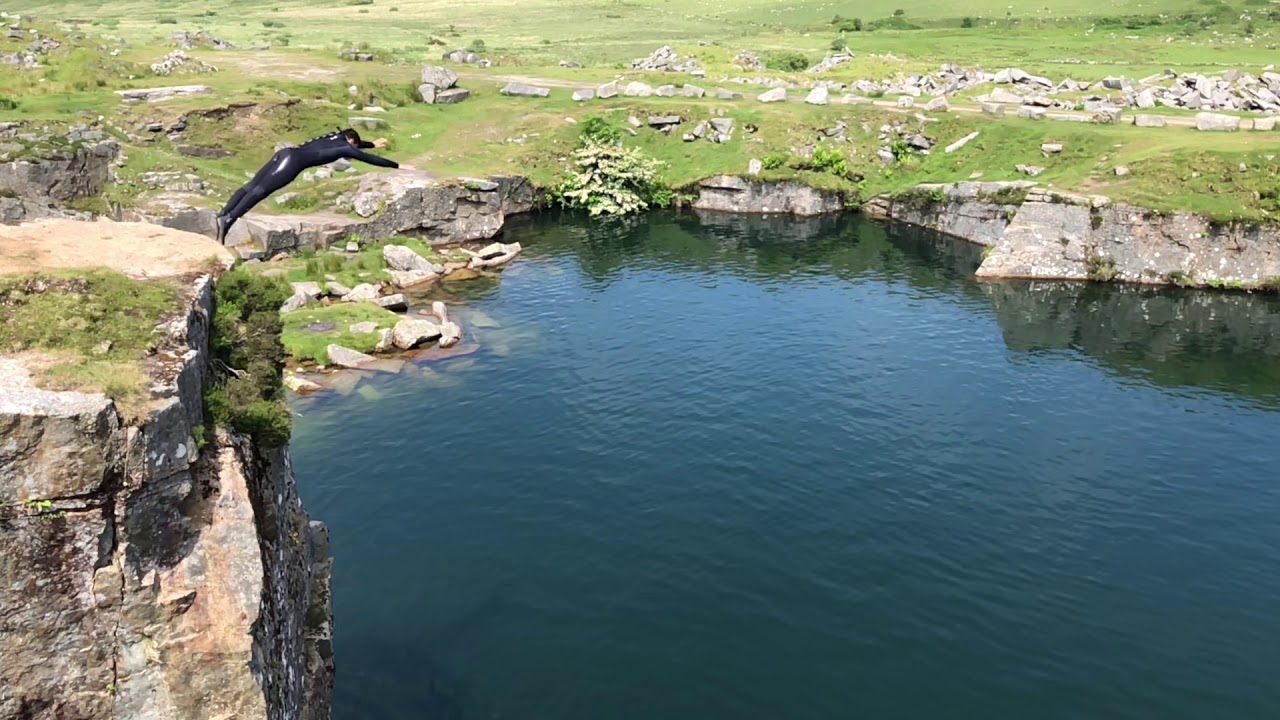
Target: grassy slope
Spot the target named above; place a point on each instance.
(529, 37)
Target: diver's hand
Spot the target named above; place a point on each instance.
(380, 143)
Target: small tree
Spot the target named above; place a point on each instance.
(609, 180)
(477, 45)
(966, 23)
(899, 12)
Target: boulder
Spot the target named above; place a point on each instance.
(1146, 99)
(992, 108)
(440, 77)
(410, 278)
(394, 303)
(580, 95)
(362, 328)
(1121, 171)
(385, 342)
(754, 167)
(637, 89)
(608, 90)
(337, 289)
(409, 333)
(906, 101)
(1031, 113)
(1265, 124)
(1051, 148)
(722, 125)
(856, 100)
(722, 94)
(665, 91)
(310, 289)
(1214, 122)
(774, 95)
(299, 385)
(348, 358)
(452, 95)
(294, 302)
(693, 91)
(660, 121)
(1000, 95)
(523, 90)
(1031, 170)
(450, 334)
(1151, 121)
(399, 257)
(364, 292)
(938, 104)
(817, 96)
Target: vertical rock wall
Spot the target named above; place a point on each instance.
(142, 576)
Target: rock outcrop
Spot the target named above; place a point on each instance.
(145, 576)
(735, 194)
(1043, 234)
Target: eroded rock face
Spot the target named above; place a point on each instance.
(142, 577)
(735, 194)
(59, 175)
(1043, 234)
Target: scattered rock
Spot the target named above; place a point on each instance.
(608, 90)
(522, 90)
(661, 121)
(992, 108)
(886, 156)
(385, 341)
(294, 302)
(694, 91)
(580, 95)
(1216, 123)
(1031, 113)
(637, 89)
(1264, 124)
(961, 142)
(938, 104)
(664, 59)
(1151, 121)
(1000, 95)
(1031, 170)
(346, 357)
(410, 278)
(310, 289)
(1051, 148)
(832, 61)
(337, 289)
(409, 333)
(163, 93)
(452, 95)
(1121, 171)
(774, 95)
(399, 257)
(906, 101)
(754, 167)
(394, 303)
(299, 385)
(665, 91)
(364, 292)
(450, 334)
(817, 96)
(367, 326)
(748, 60)
(722, 94)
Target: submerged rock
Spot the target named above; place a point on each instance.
(348, 358)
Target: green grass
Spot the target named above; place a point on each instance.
(305, 345)
(366, 266)
(70, 315)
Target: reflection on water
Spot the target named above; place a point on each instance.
(695, 466)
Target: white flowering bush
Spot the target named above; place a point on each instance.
(608, 179)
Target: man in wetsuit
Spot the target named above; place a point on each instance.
(285, 166)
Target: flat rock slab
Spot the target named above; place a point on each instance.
(452, 95)
(522, 90)
(163, 93)
(346, 357)
(139, 250)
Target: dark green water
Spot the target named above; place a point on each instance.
(730, 468)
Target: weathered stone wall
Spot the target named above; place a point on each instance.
(734, 194)
(1043, 234)
(142, 576)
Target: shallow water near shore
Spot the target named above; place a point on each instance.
(717, 466)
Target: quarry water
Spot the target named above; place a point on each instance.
(720, 467)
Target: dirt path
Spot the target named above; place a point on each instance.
(139, 250)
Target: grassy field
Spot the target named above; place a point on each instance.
(1173, 168)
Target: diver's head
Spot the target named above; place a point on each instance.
(352, 136)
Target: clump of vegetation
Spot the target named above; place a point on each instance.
(967, 22)
(272, 24)
(1180, 278)
(96, 325)
(609, 179)
(1008, 195)
(773, 161)
(304, 343)
(829, 160)
(7, 103)
(359, 2)
(854, 25)
(787, 61)
(244, 390)
(167, 21)
(478, 46)
(598, 130)
(1101, 269)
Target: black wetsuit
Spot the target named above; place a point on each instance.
(285, 166)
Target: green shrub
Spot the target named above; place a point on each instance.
(359, 2)
(838, 44)
(168, 21)
(774, 161)
(966, 23)
(829, 160)
(596, 129)
(477, 46)
(244, 389)
(609, 180)
(272, 24)
(787, 61)
(7, 103)
(854, 25)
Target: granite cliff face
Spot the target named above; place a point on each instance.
(734, 194)
(40, 171)
(144, 576)
(1043, 234)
